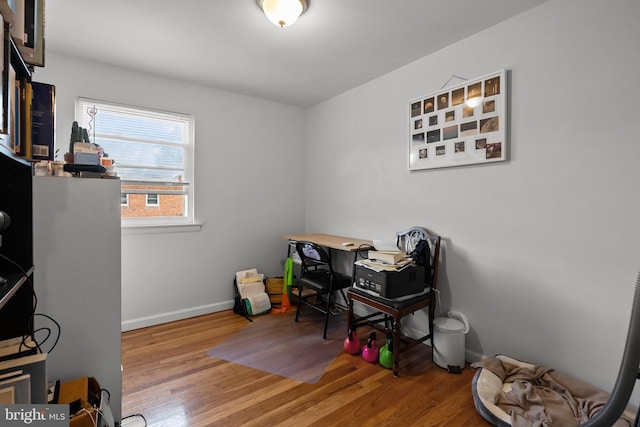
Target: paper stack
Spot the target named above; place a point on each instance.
(388, 257)
(252, 291)
(386, 260)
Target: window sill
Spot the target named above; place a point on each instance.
(133, 229)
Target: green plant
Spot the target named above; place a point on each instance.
(78, 134)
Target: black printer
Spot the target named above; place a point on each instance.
(391, 284)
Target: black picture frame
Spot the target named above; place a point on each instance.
(32, 46)
(5, 56)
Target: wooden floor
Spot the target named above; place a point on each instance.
(169, 379)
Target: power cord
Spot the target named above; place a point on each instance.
(59, 330)
(30, 325)
(97, 411)
(38, 343)
(96, 402)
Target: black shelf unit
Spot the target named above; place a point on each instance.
(16, 249)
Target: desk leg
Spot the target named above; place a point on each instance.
(432, 313)
(395, 326)
(349, 313)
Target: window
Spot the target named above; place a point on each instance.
(152, 153)
(153, 200)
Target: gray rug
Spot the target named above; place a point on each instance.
(275, 343)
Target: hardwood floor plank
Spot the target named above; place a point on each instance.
(169, 378)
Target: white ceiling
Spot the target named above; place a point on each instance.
(336, 45)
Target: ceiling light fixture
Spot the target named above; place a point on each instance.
(283, 12)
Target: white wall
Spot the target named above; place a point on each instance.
(78, 279)
(247, 191)
(541, 251)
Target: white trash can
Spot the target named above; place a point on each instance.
(449, 341)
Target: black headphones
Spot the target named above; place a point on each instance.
(4, 220)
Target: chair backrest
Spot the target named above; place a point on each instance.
(312, 254)
(407, 241)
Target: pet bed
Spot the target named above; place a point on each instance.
(509, 392)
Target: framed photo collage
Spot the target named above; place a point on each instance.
(459, 125)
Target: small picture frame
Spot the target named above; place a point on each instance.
(5, 85)
(31, 46)
(466, 124)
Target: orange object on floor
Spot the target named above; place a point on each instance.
(286, 283)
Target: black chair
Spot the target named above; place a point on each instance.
(318, 281)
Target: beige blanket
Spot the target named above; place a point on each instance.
(543, 397)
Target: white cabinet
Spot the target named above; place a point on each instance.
(77, 277)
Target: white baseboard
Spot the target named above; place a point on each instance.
(472, 356)
(157, 319)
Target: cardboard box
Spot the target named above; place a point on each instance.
(85, 153)
(85, 159)
(86, 390)
(274, 286)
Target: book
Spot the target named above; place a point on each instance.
(8, 395)
(10, 342)
(34, 366)
(10, 374)
(383, 266)
(17, 349)
(19, 128)
(19, 388)
(26, 131)
(23, 110)
(43, 105)
(16, 117)
(389, 257)
(249, 276)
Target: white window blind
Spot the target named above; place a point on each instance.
(152, 153)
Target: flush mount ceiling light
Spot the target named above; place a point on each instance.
(283, 12)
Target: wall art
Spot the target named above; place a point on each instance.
(460, 125)
(29, 17)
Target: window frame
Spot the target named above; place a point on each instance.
(186, 184)
(152, 205)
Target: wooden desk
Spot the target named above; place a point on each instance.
(331, 241)
(384, 309)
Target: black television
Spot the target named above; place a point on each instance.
(16, 200)
(16, 251)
